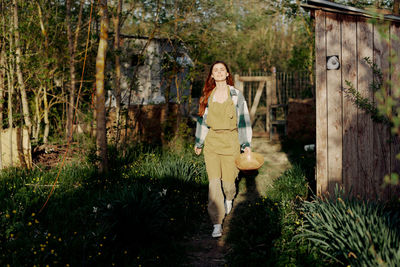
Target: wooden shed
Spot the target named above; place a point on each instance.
(352, 149)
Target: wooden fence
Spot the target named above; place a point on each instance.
(297, 85)
(268, 107)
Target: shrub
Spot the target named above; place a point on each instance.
(351, 231)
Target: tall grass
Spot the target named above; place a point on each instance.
(135, 215)
(352, 231)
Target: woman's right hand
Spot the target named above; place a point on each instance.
(197, 150)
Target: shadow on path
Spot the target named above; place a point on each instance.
(252, 228)
(252, 225)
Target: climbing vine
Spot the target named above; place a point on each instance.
(364, 103)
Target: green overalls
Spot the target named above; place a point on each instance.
(221, 147)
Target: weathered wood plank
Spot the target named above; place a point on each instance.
(349, 73)
(334, 95)
(256, 100)
(365, 124)
(381, 145)
(321, 103)
(274, 99)
(268, 93)
(395, 78)
(254, 78)
(238, 83)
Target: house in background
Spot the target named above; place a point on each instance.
(161, 66)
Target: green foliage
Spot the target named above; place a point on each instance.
(351, 231)
(290, 185)
(367, 3)
(126, 217)
(363, 102)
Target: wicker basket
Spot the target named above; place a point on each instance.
(249, 161)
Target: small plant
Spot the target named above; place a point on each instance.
(290, 185)
(351, 231)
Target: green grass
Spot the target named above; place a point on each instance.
(137, 214)
(140, 212)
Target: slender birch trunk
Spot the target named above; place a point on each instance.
(117, 89)
(46, 117)
(10, 83)
(2, 87)
(71, 100)
(72, 46)
(45, 102)
(36, 130)
(101, 138)
(21, 83)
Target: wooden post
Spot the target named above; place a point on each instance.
(268, 91)
(238, 82)
(274, 100)
(250, 89)
(256, 100)
(321, 100)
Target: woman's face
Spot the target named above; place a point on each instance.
(219, 72)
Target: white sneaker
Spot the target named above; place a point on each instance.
(228, 206)
(217, 232)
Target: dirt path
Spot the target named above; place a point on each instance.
(202, 249)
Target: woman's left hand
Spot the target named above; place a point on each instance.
(247, 149)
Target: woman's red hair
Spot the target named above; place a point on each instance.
(210, 85)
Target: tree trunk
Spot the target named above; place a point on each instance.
(36, 129)
(117, 89)
(72, 46)
(396, 5)
(2, 87)
(101, 138)
(46, 117)
(10, 83)
(21, 83)
(71, 100)
(45, 102)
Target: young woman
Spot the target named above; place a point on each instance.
(224, 129)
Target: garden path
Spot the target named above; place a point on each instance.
(202, 249)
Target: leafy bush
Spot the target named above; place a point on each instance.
(351, 231)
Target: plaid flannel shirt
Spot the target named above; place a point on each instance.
(243, 121)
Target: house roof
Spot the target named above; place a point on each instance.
(343, 9)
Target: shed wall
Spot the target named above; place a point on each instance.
(352, 150)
